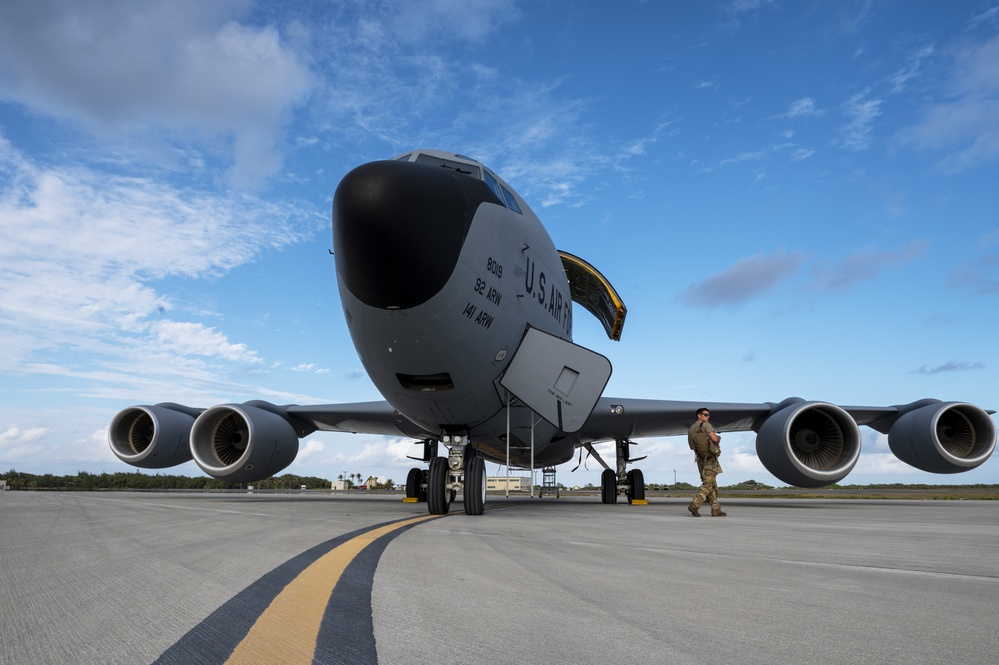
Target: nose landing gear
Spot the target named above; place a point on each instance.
(462, 471)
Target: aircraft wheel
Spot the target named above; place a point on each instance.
(413, 482)
(438, 496)
(636, 482)
(608, 486)
(475, 486)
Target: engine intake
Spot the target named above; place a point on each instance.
(943, 437)
(240, 443)
(152, 437)
(809, 444)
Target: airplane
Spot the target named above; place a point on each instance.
(460, 308)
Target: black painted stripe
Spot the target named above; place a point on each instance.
(214, 639)
(347, 633)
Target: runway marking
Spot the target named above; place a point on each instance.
(288, 629)
(273, 619)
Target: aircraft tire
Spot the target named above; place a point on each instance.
(636, 483)
(438, 496)
(413, 482)
(608, 486)
(475, 486)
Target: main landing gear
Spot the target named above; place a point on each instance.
(461, 471)
(628, 483)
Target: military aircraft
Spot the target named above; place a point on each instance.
(460, 308)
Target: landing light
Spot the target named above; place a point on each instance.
(617, 409)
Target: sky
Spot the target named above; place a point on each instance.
(792, 199)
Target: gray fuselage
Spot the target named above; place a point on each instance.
(436, 354)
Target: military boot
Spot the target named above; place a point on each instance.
(718, 512)
(693, 510)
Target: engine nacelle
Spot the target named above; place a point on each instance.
(809, 444)
(943, 437)
(152, 437)
(240, 443)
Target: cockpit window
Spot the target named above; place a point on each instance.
(460, 167)
(511, 202)
(404, 158)
(493, 185)
(502, 193)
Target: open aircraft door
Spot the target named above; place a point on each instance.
(559, 380)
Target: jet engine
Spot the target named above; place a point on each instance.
(943, 437)
(152, 437)
(240, 443)
(809, 444)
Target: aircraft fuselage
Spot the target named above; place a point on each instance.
(436, 354)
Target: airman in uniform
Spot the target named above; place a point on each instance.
(703, 440)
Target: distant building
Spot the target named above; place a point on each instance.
(339, 485)
(373, 481)
(517, 484)
(3, 485)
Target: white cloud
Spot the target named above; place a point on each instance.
(168, 66)
(312, 368)
(743, 460)
(14, 435)
(385, 87)
(803, 108)
(966, 127)
(990, 15)
(311, 448)
(880, 463)
(79, 251)
(20, 445)
(184, 338)
(900, 78)
(418, 20)
(350, 453)
(861, 112)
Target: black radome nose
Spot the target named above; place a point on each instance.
(398, 229)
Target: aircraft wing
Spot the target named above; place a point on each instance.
(811, 444)
(358, 417)
(807, 444)
(622, 418)
(615, 418)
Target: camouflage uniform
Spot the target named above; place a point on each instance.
(708, 468)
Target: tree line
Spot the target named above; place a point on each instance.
(121, 480)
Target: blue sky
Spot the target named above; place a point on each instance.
(793, 199)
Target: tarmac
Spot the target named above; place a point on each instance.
(101, 577)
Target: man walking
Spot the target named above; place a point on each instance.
(703, 440)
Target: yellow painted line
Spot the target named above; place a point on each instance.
(409, 499)
(639, 502)
(287, 630)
